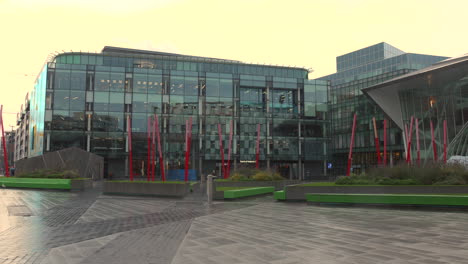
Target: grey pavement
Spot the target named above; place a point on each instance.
(78, 228)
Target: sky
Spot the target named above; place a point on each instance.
(305, 33)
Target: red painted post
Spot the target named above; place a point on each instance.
(418, 150)
(148, 132)
(385, 142)
(5, 156)
(410, 134)
(257, 156)
(231, 131)
(221, 149)
(445, 141)
(186, 150)
(434, 146)
(161, 160)
(348, 170)
(376, 141)
(129, 134)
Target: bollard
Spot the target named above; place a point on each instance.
(209, 188)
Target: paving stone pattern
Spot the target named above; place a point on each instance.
(54, 227)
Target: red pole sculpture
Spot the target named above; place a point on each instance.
(189, 142)
(5, 156)
(434, 146)
(161, 160)
(129, 126)
(377, 143)
(408, 150)
(418, 150)
(445, 141)
(257, 156)
(153, 150)
(348, 170)
(221, 149)
(148, 132)
(385, 142)
(228, 170)
(186, 150)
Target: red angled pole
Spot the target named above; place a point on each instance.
(418, 150)
(350, 155)
(148, 132)
(231, 131)
(129, 126)
(257, 156)
(161, 160)
(434, 146)
(221, 149)
(5, 156)
(186, 150)
(385, 142)
(445, 141)
(410, 133)
(377, 143)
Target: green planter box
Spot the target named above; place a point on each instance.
(232, 194)
(404, 199)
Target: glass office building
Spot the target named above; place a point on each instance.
(355, 71)
(84, 99)
(436, 93)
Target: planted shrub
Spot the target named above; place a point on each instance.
(50, 174)
(432, 174)
(255, 175)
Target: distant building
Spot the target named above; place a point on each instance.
(22, 131)
(358, 70)
(84, 99)
(433, 94)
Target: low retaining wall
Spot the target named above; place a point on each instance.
(298, 193)
(142, 188)
(81, 185)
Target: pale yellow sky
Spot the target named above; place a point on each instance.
(309, 33)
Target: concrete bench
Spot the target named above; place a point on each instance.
(232, 194)
(403, 199)
(280, 195)
(64, 184)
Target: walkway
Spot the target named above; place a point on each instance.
(61, 227)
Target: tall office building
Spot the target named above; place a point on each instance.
(84, 99)
(355, 71)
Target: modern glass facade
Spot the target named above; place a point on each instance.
(355, 71)
(434, 94)
(84, 99)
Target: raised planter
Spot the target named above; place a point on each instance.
(278, 185)
(146, 188)
(298, 192)
(81, 184)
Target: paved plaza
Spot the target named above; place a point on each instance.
(76, 228)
